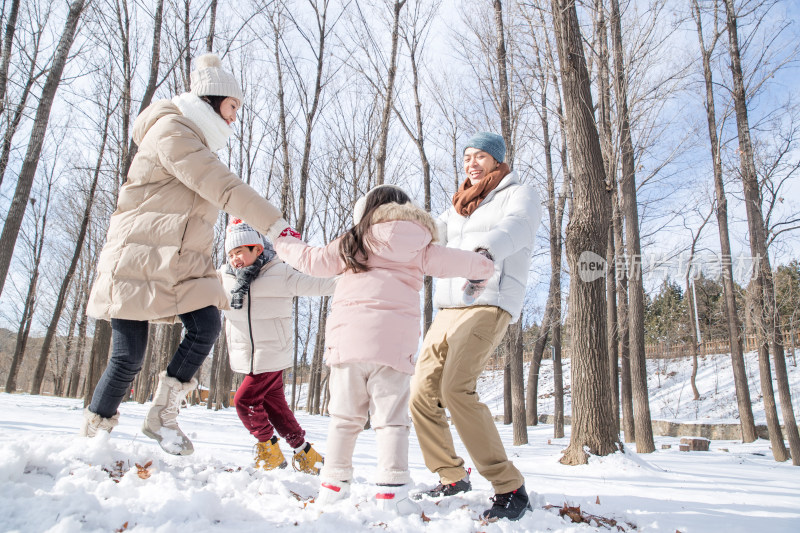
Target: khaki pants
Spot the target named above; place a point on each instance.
(359, 389)
(454, 354)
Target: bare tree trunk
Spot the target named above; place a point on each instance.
(326, 397)
(212, 21)
(625, 388)
(69, 348)
(19, 111)
(77, 368)
(187, 51)
(383, 138)
(692, 306)
(171, 339)
(519, 428)
(505, 99)
(609, 160)
(516, 377)
(30, 300)
(695, 341)
(768, 326)
(413, 43)
(294, 358)
(277, 29)
(508, 414)
(152, 83)
(611, 327)
(221, 378)
(311, 113)
(8, 43)
(22, 333)
(317, 367)
(558, 383)
(212, 376)
(16, 212)
(743, 401)
(644, 428)
(38, 375)
(531, 401)
(556, 213)
(593, 425)
(556, 220)
(226, 373)
(126, 99)
(298, 368)
(144, 380)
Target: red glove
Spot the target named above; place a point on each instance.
(289, 232)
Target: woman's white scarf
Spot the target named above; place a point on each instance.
(214, 128)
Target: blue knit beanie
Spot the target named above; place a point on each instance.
(491, 143)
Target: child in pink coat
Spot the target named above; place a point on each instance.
(372, 333)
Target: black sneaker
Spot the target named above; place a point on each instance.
(446, 489)
(511, 505)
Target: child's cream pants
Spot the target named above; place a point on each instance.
(359, 390)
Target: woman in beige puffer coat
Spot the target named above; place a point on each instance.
(157, 264)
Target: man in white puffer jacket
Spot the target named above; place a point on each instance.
(497, 215)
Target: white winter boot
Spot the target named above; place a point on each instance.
(92, 423)
(395, 498)
(331, 492)
(160, 423)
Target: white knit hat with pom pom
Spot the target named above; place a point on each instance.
(209, 79)
(240, 233)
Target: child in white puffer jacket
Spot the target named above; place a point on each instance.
(259, 335)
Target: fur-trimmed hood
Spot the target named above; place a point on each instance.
(399, 232)
(407, 211)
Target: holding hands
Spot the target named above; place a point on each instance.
(473, 288)
(289, 232)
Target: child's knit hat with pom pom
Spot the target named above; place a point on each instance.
(240, 233)
(210, 79)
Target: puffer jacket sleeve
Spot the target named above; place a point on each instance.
(517, 228)
(184, 155)
(441, 227)
(321, 262)
(441, 262)
(299, 284)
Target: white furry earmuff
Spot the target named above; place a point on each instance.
(358, 209)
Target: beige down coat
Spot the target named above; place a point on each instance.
(156, 263)
(260, 334)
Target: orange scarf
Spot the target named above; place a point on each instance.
(469, 196)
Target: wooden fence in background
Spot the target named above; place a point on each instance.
(714, 345)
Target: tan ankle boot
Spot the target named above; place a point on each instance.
(308, 461)
(269, 456)
(161, 422)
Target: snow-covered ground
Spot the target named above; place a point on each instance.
(51, 480)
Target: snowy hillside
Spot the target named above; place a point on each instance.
(669, 389)
(51, 480)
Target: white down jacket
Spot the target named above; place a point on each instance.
(505, 224)
(259, 334)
